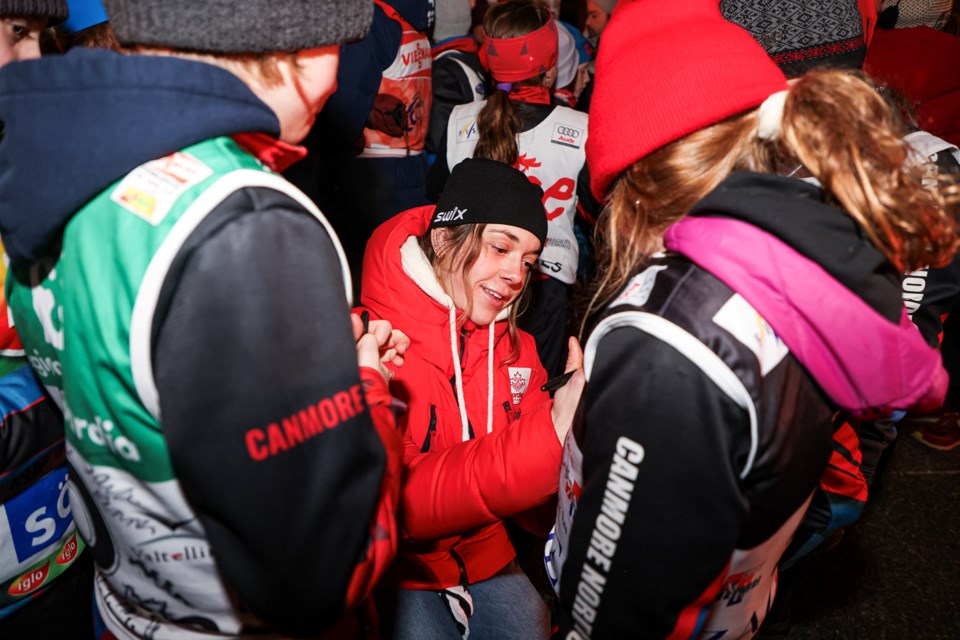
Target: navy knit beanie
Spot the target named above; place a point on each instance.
(480, 190)
(234, 27)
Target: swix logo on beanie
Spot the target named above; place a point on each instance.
(493, 193)
(449, 216)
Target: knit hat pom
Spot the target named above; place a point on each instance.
(667, 69)
(484, 191)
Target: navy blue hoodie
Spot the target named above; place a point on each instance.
(77, 123)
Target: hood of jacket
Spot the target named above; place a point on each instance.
(832, 297)
(399, 284)
(77, 123)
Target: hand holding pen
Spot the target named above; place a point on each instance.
(378, 344)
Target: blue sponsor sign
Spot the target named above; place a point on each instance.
(40, 516)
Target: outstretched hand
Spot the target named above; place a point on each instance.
(567, 398)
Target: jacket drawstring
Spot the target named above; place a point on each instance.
(455, 351)
(490, 379)
(458, 376)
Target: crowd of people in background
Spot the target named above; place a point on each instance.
(452, 319)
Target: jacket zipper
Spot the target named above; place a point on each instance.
(462, 567)
(453, 383)
(430, 430)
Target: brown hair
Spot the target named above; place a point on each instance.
(836, 127)
(99, 36)
(458, 253)
(498, 124)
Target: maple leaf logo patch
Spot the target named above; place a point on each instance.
(519, 379)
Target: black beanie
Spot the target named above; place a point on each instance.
(486, 191)
(56, 10)
(231, 26)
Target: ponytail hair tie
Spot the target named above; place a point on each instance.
(505, 86)
(770, 116)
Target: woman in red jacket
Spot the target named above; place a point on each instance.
(482, 439)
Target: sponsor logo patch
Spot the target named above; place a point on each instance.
(567, 135)
(467, 129)
(746, 325)
(519, 379)
(150, 190)
(30, 581)
(737, 586)
(69, 552)
(573, 490)
(414, 56)
(638, 289)
(39, 517)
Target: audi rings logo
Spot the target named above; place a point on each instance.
(564, 134)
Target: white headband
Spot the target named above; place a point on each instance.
(770, 116)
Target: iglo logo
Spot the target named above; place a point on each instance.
(30, 581)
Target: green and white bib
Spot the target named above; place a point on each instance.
(86, 321)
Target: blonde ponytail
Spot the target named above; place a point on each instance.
(846, 136)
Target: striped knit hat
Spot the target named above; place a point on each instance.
(803, 34)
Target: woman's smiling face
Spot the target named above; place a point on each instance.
(507, 255)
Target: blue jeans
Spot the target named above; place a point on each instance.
(506, 607)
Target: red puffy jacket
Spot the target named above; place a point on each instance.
(923, 64)
(458, 490)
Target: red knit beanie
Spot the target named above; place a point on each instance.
(666, 69)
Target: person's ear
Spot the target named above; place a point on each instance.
(439, 238)
(550, 77)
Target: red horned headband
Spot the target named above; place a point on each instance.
(515, 59)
